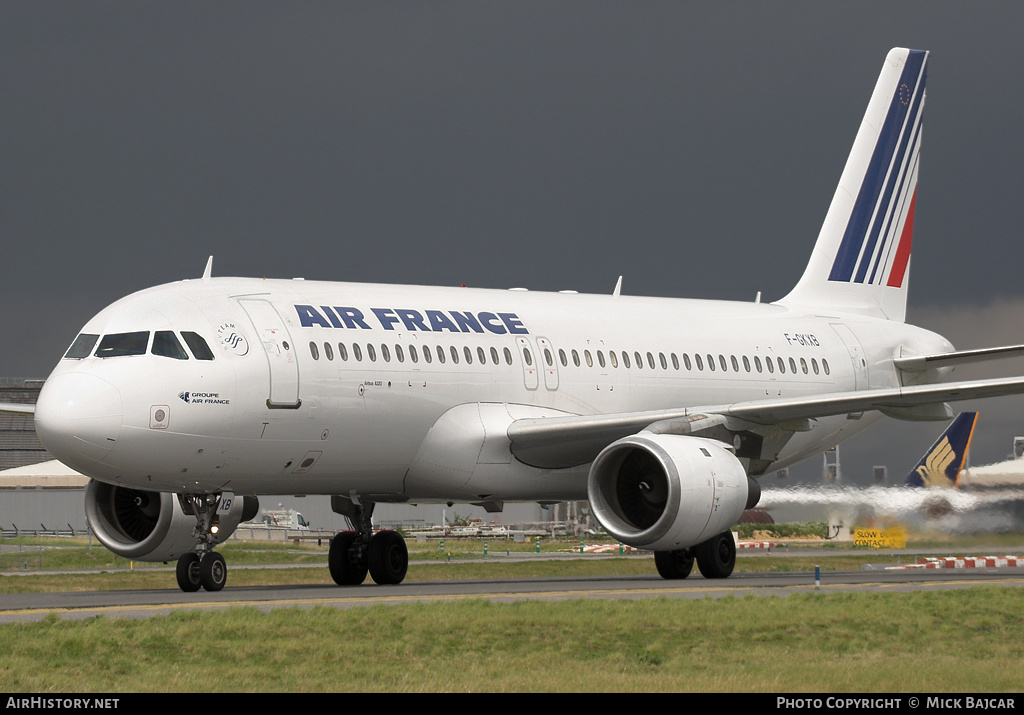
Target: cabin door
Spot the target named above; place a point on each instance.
(279, 351)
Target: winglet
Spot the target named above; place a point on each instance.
(618, 287)
(209, 269)
(941, 464)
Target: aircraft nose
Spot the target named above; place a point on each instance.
(78, 418)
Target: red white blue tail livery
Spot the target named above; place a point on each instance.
(862, 258)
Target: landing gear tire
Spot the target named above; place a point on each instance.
(343, 570)
(716, 557)
(388, 557)
(213, 571)
(188, 572)
(674, 564)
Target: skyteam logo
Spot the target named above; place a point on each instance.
(876, 244)
(231, 338)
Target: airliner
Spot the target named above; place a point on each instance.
(185, 401)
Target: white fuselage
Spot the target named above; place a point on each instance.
(325, 388)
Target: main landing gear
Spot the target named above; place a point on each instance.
(353, 554)
(716, 558)
(202, 568)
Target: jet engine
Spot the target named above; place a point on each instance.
(151, 526)
(665, 492)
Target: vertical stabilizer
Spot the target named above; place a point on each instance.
(942, 463)
(861, 260)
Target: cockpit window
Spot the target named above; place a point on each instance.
(197, 345)
(82, 347)
(165, 343)
(120, 344)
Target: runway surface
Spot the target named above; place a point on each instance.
(142, 604)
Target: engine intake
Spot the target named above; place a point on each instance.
(665, 492)
(151, 526)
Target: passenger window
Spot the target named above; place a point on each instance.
(494, 355)
(455, 354)
(481, 355)
(427, 356)
(675, 361)
(711, 362)
(165, 344)
(769, 364)
(547, 357)
(82, 347)
(700, 362)
(661, 359)
(357, 352)
(508, 356)
(757, 363)
(561, 358)
(686, 361)
(814, 365)
(803, 366)
(782, 365)
(721, 361)
(650, 360)
(614, 360)
(328, 351)
(588, 358)
(414, 354)
(746, 363)
(824, 366)
(371, 352)
(313, 350)
(792, 366)
(200, 350)
(637, 360)
(469, 355)
(342, 351)
(440, 354)
(735, 363)
(625, 359)
(527, 357)
(600, 358)
(385, 353)
(120, 344)
(399, 353)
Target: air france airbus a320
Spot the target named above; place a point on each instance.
(184, 401)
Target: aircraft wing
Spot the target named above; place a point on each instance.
(559, 442)
(14, 408)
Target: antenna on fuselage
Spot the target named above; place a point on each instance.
(618, 286)
(209, 268)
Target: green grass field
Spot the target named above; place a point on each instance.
(948, 641)
(968, 640)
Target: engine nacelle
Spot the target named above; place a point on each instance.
(665, 492)
(151, 526)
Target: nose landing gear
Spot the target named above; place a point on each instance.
(203, 568)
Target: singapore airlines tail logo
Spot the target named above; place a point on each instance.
(933, 471)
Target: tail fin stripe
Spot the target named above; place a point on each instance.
(890, 147)
(896, 174)
(897, 215)
(899, 266)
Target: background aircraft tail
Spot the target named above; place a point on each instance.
(861, 260)
(941, 464)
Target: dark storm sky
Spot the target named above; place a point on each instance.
(691, 147)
